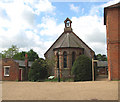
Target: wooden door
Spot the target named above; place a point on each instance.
(20, 74)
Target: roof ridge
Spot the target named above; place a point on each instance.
(114, 5)
(54, 43)
(63, 40)
(82, 41)
(76, 42)
(68, 37)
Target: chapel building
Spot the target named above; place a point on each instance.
(65, 50)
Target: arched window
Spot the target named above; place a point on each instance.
(65, 59)
(73, 57)
(57, 60)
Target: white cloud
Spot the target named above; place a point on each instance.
(82, 10)
(91, 30)
(74, 8)
(49, 27)
(40, 6)
(17, 24)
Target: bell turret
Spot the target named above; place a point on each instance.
(67, 25)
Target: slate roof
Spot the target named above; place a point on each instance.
(102, 64)
(22, 63)
(68, 40)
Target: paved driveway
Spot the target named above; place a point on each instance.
(101, 90)
(0, 91)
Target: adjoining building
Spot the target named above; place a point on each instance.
(66, 49)
(14, 70)
(112, 22)
(102, 68)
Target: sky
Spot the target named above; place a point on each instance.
(36, 24)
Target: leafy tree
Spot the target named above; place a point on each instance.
(32, 55)
(20, 56)
(13, 52)
(101, 57)
(82, 69)
(38, 70)
(0, 55)
(10, 52)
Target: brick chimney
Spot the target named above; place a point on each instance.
(26, 67)
(26, 61)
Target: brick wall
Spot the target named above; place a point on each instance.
(101, 71)
(13, 71)
(113, 44)
(119, 43)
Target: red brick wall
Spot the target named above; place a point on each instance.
(112, 25)
(119, 43)
(0, 69)
(13, 71)
(101, 71)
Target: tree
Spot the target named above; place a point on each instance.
(101, 57)
(82, 69)
(10, 52)
(32, 55)
(0, 55)
(38, 70)
(20, 56)
(13, 52)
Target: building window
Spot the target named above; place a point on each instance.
(57, 60)
(6, 70)
(73, 57)
(65, 59)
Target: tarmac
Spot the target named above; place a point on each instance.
(89, 90)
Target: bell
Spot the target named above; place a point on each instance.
(68, 24)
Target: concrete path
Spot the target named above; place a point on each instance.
(102, 78)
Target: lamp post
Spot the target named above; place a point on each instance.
(58, 67)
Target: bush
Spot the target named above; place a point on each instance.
(82, 69)
(38, 71)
